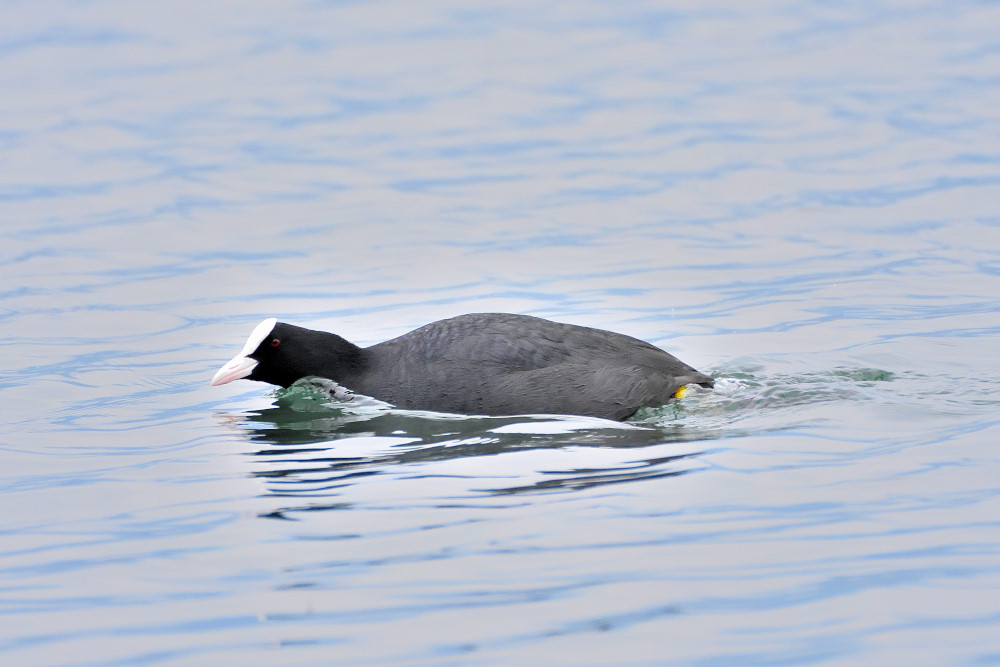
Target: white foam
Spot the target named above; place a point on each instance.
(730, 386)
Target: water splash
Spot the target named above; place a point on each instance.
(744, 394)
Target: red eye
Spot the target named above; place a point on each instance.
(275, 342)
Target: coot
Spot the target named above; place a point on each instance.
(484, 363)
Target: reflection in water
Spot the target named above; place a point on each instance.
(355, 446)
(589, 477)
(316, 446)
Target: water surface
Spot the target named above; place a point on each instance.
(798, 198)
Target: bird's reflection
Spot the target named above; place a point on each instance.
(318, 449)
(319, 441)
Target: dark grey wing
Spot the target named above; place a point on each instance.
(611, 392)
(515, 364)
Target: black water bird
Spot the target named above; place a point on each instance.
(484, 363)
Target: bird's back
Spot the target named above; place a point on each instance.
(491, 363)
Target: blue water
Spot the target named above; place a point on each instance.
(800, 198)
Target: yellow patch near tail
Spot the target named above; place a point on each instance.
(681, 391)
